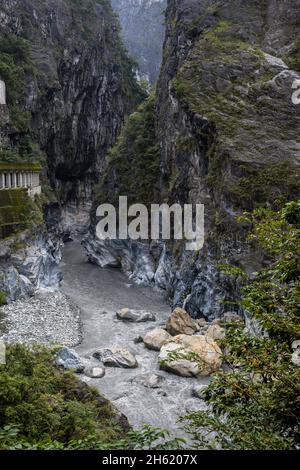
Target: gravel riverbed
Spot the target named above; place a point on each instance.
(47, 318)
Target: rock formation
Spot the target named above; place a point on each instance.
(142, 23)
(191, 356)
(228, 137)
(69, 85)
(78, 89)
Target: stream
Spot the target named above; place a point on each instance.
(99, 293)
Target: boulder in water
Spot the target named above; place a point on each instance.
(135, 316)
(116, 357)
(149, 380)
(69, 359)
(95, 372)
(191, 356)
(155, 339)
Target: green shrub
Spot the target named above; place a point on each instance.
(135, 159)
(41, 405)
(15, 63)
(19, 212)
(2, 298)
(254, 405)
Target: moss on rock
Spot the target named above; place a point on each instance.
(133, 164)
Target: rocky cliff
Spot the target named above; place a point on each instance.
(69, 86)
(78, 89)
(228, 134)
(29, 263)
(142, 24)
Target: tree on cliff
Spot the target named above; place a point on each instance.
(254, 405)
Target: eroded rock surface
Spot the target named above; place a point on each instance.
(191, 356)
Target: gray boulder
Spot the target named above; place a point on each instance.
(69, 359)
(116, 357)
(135, 316)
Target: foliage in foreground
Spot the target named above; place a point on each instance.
(43, 407)
(255, 404)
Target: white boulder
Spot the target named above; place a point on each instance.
(155, 339)
(191, 356)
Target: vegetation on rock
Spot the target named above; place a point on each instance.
(43, 406)
(19, 212)
(2, 298)
(133, 165)
(254, 405)
(15, 65)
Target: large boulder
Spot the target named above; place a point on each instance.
(180, 365)
(135, 316)
(155, 339)
(69, 359)
(191, 356)
(116, 357)
(181, 323)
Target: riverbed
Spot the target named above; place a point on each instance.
(99, 293)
